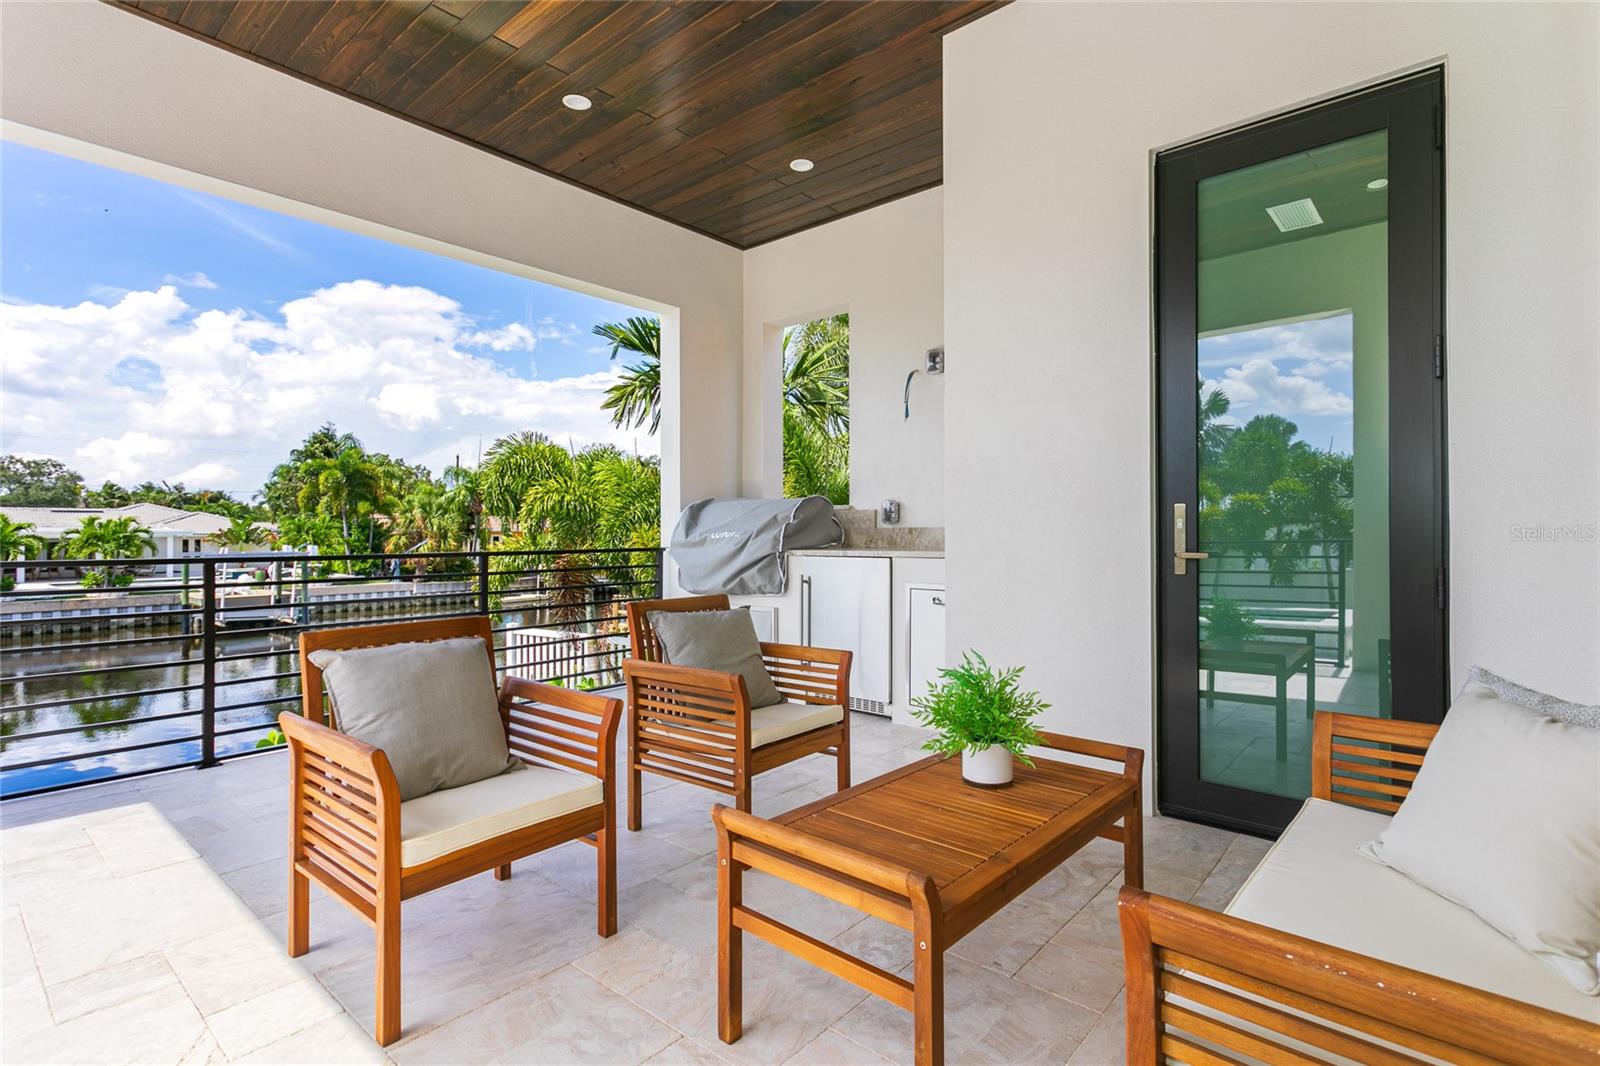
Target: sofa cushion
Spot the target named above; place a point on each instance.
(1585, 714)
(430, 706)
(724, 641)
(1504, 819)
(1314, 884)
(454, 818)
(781, 720)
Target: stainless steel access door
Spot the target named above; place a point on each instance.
(844, 603)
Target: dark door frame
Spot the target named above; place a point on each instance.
(1412, 110)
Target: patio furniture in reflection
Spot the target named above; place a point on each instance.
(1279, 660)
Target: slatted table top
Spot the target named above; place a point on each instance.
(981, 846)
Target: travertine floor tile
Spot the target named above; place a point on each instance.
(564, 1017)
(150, 915)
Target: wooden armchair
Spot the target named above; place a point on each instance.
(349, 832)
(697, 725)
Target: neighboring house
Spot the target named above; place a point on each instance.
(178, 534)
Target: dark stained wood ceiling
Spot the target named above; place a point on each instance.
(698, 106)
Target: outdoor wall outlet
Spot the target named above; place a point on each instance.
(889, 514)
(935, 363)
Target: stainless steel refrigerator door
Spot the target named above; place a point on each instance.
(844, 603)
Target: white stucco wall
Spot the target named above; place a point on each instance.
(191, 113)
(884, 266)
(1051, 113)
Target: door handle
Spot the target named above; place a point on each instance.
(805, 611)
(1180, 537)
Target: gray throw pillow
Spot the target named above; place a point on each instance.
(717, 640)
(1550, 706)
(432, 707)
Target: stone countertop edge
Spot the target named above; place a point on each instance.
(871, 553)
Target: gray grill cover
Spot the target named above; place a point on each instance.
(737, 546)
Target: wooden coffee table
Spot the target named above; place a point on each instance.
(923, 850)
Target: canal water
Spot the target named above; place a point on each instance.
(163, 728)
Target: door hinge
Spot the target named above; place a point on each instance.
(1438, 587)
(1438, 126)
(1438, 355)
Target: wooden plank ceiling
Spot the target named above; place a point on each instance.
(698, 106)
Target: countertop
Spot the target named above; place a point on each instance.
(872, 553)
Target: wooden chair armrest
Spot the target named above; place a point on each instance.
(687, 678)
(802, 652)
(338, 748)
(565, 727)
(800, 672)
(1132, 759)
(1366, 762)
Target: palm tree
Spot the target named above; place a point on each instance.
(16, 541)
(637, 396)
(240, 533)
(816, 373)
(346, 484)
(103, 538)
(429, 518)
(571, 503)
(814, 463)
(1214, 432)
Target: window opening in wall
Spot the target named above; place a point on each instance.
(816, 409)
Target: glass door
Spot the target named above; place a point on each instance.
(1301, 421)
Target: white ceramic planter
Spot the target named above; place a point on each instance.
(989, 767)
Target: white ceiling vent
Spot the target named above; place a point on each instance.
(1296, 215)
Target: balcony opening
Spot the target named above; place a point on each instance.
(225, 425)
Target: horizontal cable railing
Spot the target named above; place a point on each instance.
(1295, 589)
(165, 663)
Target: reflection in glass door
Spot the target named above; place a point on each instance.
(1277, 453)
(1292, 443)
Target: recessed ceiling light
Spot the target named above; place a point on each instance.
(1377, 183)
(1297, 214)
(801, 165)
(577, 101)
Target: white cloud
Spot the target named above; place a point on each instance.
(225, 394)
(205, 475)
(197, 280)
(1258, 384)
(511, 338)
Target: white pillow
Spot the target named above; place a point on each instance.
(1504, 819)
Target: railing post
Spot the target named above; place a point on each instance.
(661, 574)
(483, 581)
(208, 667)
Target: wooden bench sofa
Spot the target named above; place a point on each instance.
(1325, 956)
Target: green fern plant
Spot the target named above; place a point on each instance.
(977, 706)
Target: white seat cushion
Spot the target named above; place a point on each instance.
(782, 720)
(1313, 883)
(454, 818)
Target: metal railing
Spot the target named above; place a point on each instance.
(1306, 599)
(190, 663)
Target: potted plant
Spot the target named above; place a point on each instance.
(1228, 623)
(982, 714)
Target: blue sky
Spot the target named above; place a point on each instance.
(1300, 370)
(153, 332)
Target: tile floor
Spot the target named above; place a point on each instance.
(143, 921)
